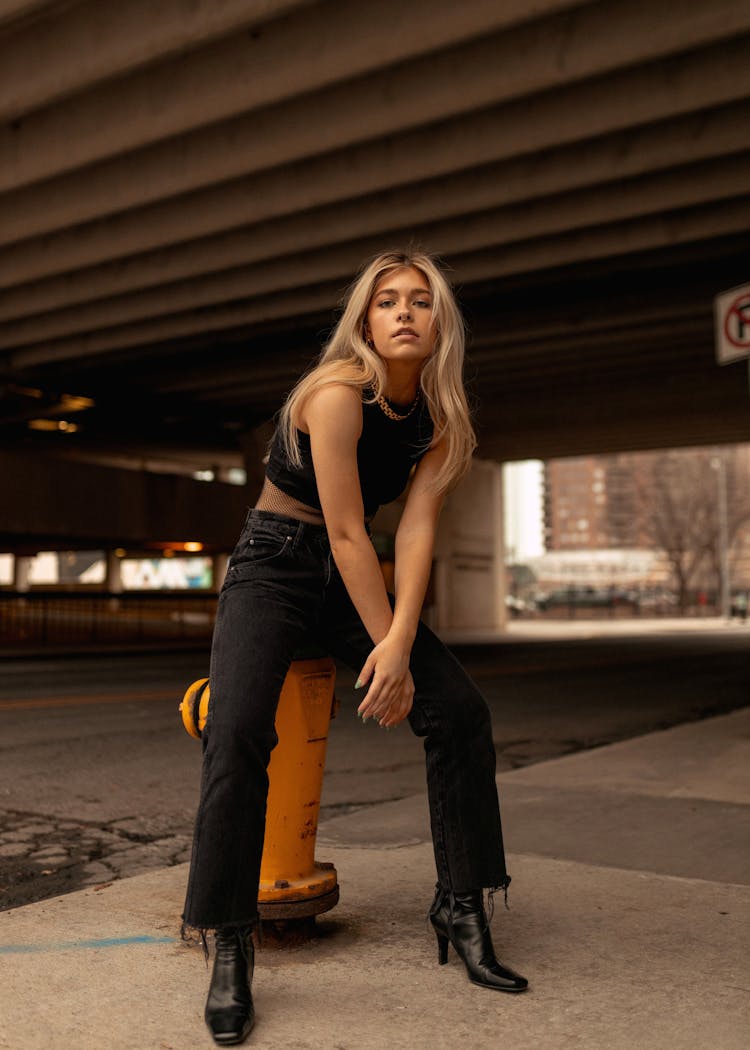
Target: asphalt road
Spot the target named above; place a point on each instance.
(98, 779)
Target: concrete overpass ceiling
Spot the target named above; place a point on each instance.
(186, 189)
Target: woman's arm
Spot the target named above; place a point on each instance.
(415, 544)
(333, 417)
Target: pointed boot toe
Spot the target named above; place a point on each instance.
(499, 977)
(460, 919)
(229, 1012)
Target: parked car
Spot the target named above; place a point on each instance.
(516, 606)
(584, 597)
(738, 605)
(655, 599)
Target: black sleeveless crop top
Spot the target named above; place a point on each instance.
(386, 452)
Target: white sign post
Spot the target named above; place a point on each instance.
(732, 313)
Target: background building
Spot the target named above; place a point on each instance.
(686, 511)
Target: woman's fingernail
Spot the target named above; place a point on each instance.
(358, 684)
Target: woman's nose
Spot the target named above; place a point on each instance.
(404, 314)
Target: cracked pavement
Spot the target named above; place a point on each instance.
(43, 856)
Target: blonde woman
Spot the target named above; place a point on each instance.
(384, 402)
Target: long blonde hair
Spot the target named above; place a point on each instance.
(347, 358)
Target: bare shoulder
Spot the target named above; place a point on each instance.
(336, 406)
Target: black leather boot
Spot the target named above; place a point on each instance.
(229, 1008)
(460, 918)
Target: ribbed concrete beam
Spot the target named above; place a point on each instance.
(16, 10)
(617, 398)
(524, 347)
(410, 97)
(618, 156)
(533, 426)
(619, 239)
(721, 416)
(283, 244)
(586, 398)
(619, 349)
(79, 48)
(327, 44)
(492, 263)
(522, 443)
(262, 391)
(710, 77)
(504, 346)
(558, 367)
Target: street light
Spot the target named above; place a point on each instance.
(718, 463)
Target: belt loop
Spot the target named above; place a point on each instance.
(298, 535)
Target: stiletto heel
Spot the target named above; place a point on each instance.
(460, 919)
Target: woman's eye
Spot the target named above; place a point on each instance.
(423, 302)
(386, 302)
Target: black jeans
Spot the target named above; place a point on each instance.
(282, 589)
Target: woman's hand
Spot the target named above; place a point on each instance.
(391, 691)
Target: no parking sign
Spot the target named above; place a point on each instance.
(732, 311)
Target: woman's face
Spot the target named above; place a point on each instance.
(399, 318)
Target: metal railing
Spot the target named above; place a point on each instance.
(93, 617)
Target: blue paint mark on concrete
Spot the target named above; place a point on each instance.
(61, 946)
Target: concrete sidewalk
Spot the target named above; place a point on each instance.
(630, 914)
(580, 626)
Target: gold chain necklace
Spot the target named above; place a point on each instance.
(394, 415)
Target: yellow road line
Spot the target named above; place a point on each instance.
(75, 701)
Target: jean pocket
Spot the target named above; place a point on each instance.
(259, 545)
(264, 546)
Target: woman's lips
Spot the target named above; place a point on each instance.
(405, 331)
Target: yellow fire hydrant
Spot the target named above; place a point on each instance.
(293, 885)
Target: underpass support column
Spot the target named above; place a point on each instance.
(469, 572)
(113, 577)
(21, 573)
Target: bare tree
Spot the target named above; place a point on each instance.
(678, 504)
(736, 470)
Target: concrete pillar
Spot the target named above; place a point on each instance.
(21, 572)
(218, 570)
(469, 552)
(113, 577)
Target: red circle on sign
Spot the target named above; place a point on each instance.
(739, 309)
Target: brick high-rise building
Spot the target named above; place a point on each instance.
(593, 502)
(612, 501)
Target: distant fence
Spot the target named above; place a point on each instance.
(88, 617)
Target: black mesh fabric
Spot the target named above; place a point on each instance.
(273, 499)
